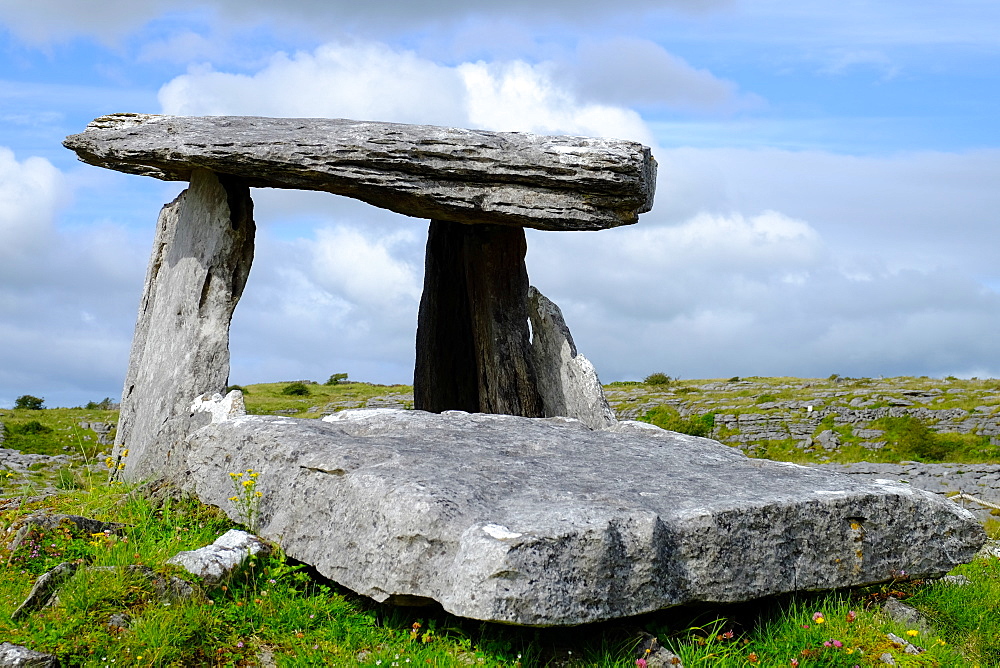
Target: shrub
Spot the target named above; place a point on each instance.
(667, 418)
(295, 389)
(230, 388)
(336, 379)
(105, 404)
(657, 378)
(26, 401)
(912, 439)
(30, 428)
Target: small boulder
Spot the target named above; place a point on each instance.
(216, 562)
(16, 656)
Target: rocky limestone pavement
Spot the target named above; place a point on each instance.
(545, 522)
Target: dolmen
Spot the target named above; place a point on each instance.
(511, 494)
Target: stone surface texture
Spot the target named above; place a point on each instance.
(567, 381)
(16, 656)
(465, 176)
(200, 262)
(547, 522)
(216, 562)
(473, 351)
(219, 407)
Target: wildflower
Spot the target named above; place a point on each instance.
(912, 632)
(849, 650)
(851, 616)
(753, 658)
(837, 644)
(940, 642)
(728, 635)
(795, 663)
(239, 644)
(641, 663)
(818, 617)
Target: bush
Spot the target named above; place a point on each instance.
(295, 389)
(105, 404)
(657, 378)
(26, 401)
(667, 418)
(32, 428)
(911, 438)
(336, 379)
(242, 389)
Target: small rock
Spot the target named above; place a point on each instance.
(955, 580)
(16, 656)
(216, 562)
(906, 645)
(44, 590)
(904, 614)
(887, 658)
(119, 621)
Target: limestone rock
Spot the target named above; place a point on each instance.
(44, 589)
(201, 258)
(566, 380)
(465, 176)
(16, 656)
(546, 522)
(216, 562)
(219, 407)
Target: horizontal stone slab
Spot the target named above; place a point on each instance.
(464, 176)
(542, 521)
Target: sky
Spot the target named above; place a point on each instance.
(828, 198)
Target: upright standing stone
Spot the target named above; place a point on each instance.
(567, 381)
(200, 262)
(473, 347)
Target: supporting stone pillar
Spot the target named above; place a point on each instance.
(473, 349)
(201, 258)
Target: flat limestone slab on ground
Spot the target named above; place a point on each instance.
(542, 521)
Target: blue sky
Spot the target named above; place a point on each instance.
(827, 199)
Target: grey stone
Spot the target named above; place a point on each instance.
(904, 645)
(216, 562)
(545, 522)
(567, 381)
(221, 408)
(463, 176)
(905, 615)
(827, 439)
(16, 656)
(200, 261)
(44, 589)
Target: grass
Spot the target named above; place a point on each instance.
(278, 612)
(283, 610)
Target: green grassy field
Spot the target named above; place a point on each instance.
(277, 612)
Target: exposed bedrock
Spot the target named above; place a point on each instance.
(467, 176)
(199, 265)
(546, 522)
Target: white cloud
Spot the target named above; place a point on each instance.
(371, 81)
(633, 71)
(30, 194)
(41, 21)
(362, 269)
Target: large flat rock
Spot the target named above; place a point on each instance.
(463, 176)
(545, 522)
